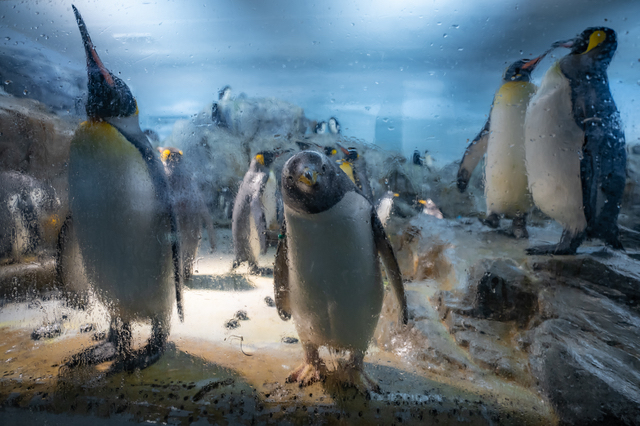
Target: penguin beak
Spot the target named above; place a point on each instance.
(563, 43)
(423, 202)
(344, 150)
(93, 60)
(532, 64)
(308, 177)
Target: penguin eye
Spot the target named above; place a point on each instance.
(324, 168)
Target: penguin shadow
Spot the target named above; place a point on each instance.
(178, 379)
(224, 282)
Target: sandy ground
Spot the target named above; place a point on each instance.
(213, 374)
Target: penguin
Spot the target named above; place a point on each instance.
(354, 166)
(416, 158)
(430, 208)
(328, 150)
(188, 205)
(334, 126)
(321, 128)
(122, 218)
(575, 145)
(384, 209)
(28, 210)
(327, 270)
(255, 197)
(502, 140)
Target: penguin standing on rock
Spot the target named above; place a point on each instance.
(327, 270)
(575, 145)
(502, 140)
(252, 200)
(122, 218)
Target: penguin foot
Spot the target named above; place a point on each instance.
(353, 375)
(519, 227)
(492, 221)
(137, 360)
(102, 352)
(308, 373)
(261, 271)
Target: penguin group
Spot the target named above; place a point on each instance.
(559, 147)
(136, 214)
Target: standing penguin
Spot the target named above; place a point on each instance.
(355, 167)
(189, 207)
(502, 140)
(334, 126)
(327, 270)
(121, 214)
(575, 145)
(254, 198)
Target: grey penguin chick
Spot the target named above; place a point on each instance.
(575, 145)
(502, 140)
(249, 211)
(122, 217)
(327, 272)
(189, 207)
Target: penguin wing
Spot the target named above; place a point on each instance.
(260, 221)
(159, 179)
(281, 277)
(472, 155)
(383, 245)
(362, 180)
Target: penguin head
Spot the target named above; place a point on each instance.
(330, 151)
(334, 126)
(312, 183)
(521, 69)
(225, 93)
(598, 43)
(321, 128)
(170, 155)
(266, 158)
(109, 96)
(350, 154)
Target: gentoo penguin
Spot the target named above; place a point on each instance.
(575, 145)
(354, 166)
(122, 217)
(430, 208)
(502, 140)
(321, 128)
(249, 211)
(188, 205)
(334, 126)
(384, 209)
(327, 270)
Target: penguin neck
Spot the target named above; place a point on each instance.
(127, 125)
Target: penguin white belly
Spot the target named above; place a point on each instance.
(384, 209)
(553, 146)
(506, 179)
(269, 202)
(335, 281)
(122, 229)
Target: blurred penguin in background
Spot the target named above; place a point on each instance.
(575, 145)
(188, 205)
(502, 140)
(28, 213)
(253, 211)
(356, 168)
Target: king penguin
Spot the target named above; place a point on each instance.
(502, 140)
(354, 166)
(575, 145)
(122, 218)
(253, 201)
(188, 206)
(327, 271)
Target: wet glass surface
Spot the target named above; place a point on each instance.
(245, 212)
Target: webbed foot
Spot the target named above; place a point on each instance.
(307, 374)
(352, 374)
(550, 249)
(492, 221)
(102, 352)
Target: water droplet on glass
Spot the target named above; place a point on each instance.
(445, 35)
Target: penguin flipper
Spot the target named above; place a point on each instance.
(472, 156)
(383, 245)
(281, 276)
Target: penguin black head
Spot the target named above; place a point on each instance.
(350, 154)
(312, 183)
(225, 93)
(521, 69)
(330, 151)
(334, 126)
(266, 158)
(109, 96)
(598, 43)
(320, 128)
(170, 155)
